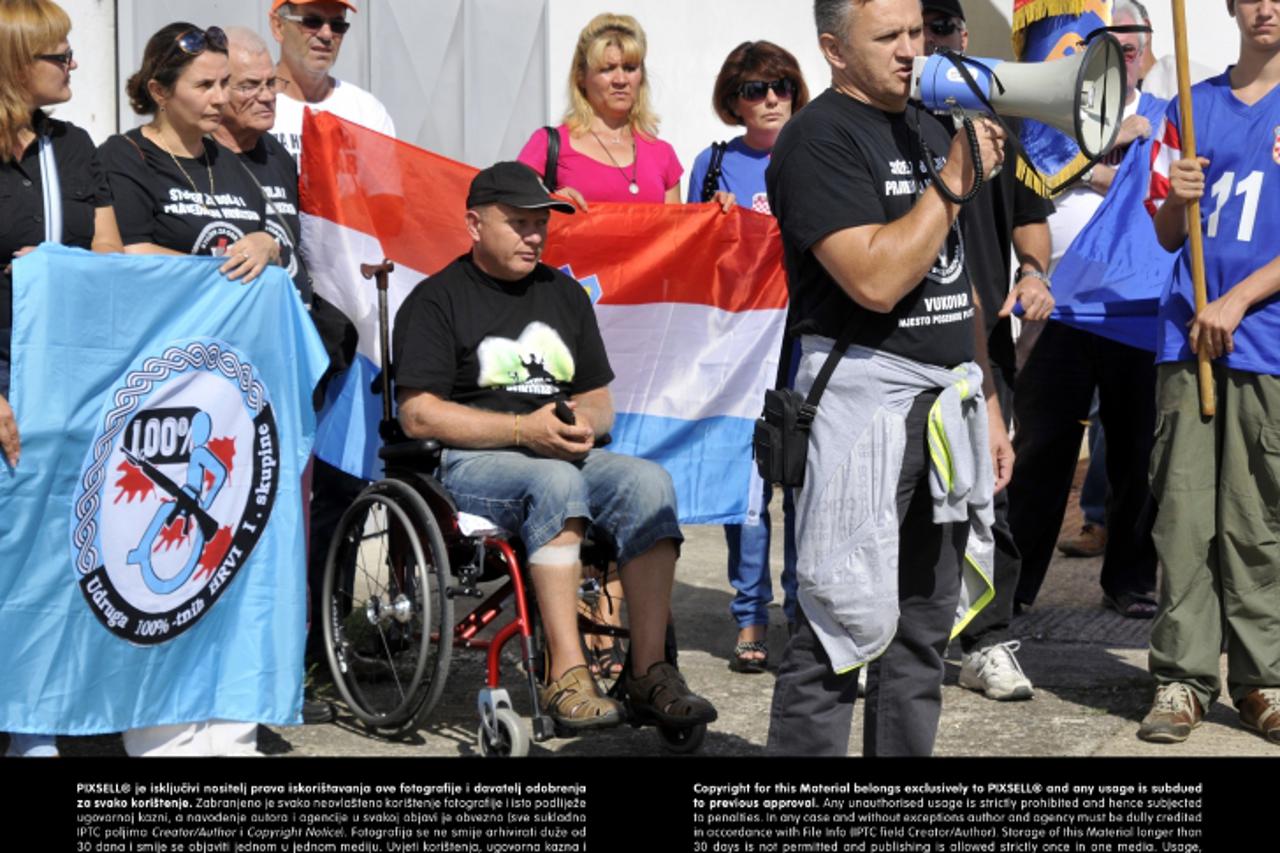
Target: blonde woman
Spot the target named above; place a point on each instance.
(608, 144)
(39, 153)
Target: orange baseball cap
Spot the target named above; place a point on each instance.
(278, 3)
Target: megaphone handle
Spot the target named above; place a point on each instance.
(975, 152)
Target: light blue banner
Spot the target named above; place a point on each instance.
(151, 548)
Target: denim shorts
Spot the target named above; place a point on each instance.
(631, 499)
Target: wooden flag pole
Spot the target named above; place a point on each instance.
(1207, 403)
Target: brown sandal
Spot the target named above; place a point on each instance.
(662, 695)
(574, 703)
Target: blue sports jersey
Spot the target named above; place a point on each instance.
(1239, 216)
(741, 173)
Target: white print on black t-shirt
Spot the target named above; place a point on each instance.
(215, 237)
(951, 308)
(279, 200)
(533, 364)
(288, 257)
(950, 259)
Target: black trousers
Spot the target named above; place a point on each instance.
(1051, 402)
(991, 626)
(332, 491)
(812, 711)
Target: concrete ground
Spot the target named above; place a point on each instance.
(1088, 666)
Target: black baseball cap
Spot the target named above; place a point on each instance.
(515, 184)
(947, 7)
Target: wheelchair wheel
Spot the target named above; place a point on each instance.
(510, 740)
(384, 597)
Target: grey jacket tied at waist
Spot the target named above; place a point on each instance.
(847, 514)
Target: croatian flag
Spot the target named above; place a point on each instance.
(691, 304)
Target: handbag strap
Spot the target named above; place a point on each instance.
(810, 407)
(550, 171)
(711, 181)
(52, 191)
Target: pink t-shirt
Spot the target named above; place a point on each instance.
(656, 169)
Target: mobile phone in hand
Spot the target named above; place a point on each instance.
(565, 414)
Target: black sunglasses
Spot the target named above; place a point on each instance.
(757, 90)
(944, 26)
(63, 59)
(315, 23)
(195, 42)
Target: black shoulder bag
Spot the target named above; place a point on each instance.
(711, 182)
(781, 439)
(553, 158)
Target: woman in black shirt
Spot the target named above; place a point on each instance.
(176, 191)
(72, 205)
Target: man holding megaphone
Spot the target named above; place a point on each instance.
(866, 191)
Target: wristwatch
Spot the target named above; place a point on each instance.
(1034, 273)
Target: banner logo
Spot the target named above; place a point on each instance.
(176, 490)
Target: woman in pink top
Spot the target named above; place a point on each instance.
(609, 150)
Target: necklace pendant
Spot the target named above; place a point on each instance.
(634, 188)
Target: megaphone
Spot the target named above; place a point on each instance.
(1081, 95)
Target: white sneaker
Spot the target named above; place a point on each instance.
(995, 672)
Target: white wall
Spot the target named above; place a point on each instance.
(472, 79)
(93, 84)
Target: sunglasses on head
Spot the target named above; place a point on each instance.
(758, 90)
(63, 59)
(944, 26)
(194, 42)
(315, 23)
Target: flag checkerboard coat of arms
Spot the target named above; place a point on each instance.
(691, 304)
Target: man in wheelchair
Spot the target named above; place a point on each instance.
(499, 358)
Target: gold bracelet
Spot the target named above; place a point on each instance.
(517, 430)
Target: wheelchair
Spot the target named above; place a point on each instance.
(402, 560)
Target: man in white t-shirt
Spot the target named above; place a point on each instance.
(310, 34)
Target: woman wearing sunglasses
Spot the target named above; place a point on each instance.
(177, 192)
(759, 86)
(608, 145)
(52, 187)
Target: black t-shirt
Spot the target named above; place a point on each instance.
(841, 163)
(277, 174)
(156, 202)
(987, 222)
(503, 346)
(84, 189)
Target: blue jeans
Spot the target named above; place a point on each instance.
(749, 565)
(1093, 492)
(631, 499)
